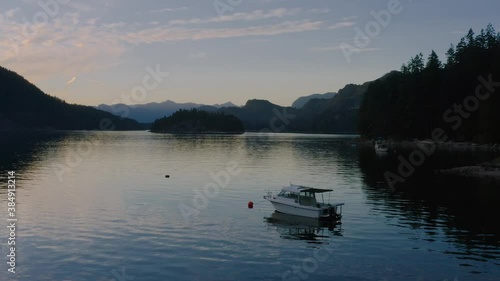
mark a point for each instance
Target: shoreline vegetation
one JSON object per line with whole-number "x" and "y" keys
{"x": 196, "y": 121}
{"x": 450, "y": 106}
{"x": 449, "y": 145}
{"x": 489, "y": 170}
{"x": 485, "y": 170}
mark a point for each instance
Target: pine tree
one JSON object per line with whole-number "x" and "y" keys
{"x": 450, "y": 55}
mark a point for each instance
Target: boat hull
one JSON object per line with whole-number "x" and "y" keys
{"x": 297, "y": 210}
{"x": 381, "y": 148}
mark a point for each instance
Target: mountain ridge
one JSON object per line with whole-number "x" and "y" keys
{"x": 301, "y": 101}
{"x": 25, "y": 107}
{"x": 148, "y": 112}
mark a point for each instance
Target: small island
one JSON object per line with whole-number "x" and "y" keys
{"x": 196, "y": 121}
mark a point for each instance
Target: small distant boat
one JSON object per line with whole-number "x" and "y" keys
{"x": 301, "y": 201}
{"x": 381, "y": 147}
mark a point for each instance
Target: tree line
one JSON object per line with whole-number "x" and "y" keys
{"x": 198, "y": 121}
{"x": 457, "y": 96}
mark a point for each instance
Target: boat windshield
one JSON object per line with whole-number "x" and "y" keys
{"x": 288, "y": 194}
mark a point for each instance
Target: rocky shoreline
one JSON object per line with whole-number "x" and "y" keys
{"x": 450, "y": 145}
{"x": 487, "y": 170}
{"x": 484, "y": 170}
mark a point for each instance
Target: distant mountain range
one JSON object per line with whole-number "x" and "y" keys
{"x": 23, "y": 106}
{"x": 326, "y": 113}
{"x": 147, "y": 113}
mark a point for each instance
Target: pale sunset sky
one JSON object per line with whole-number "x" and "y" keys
{"x": 92, "y": 52}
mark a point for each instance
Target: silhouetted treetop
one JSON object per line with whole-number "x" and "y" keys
{"x": 198, "y": 121}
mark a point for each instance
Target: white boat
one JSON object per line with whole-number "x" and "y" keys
{"x": 381, "y": 147}
{"x": 301, "y": 201}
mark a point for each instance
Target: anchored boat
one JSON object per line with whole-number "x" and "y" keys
{"x": 302, "y": 201}
{"x": 381, "y": 147}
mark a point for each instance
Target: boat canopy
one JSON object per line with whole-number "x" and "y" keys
{"x": 299, "y": 188}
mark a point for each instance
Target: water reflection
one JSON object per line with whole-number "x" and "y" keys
{"x": 21, "y": 149}
{"x": 119, "y": 200}
{"x": 26, "y": 153}
{"x": 302, "y": 228}
{"x": 462, "y": 212}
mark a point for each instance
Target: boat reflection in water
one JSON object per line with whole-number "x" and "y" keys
{"x": 303, "y": 228}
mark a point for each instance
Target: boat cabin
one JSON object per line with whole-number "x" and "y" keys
{"x": 303, "y": 195}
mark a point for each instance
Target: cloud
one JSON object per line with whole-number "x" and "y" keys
{"x": 71, "y": 80}
{"x": 252, "y": 16}
{"x": 168, "y": 10}
{"x": 11, "y": 13}
{"x": 342, "y": 24}
{"x": 340, "y": 48}
{"x": 325, "y": 49}
{"x": 319, "y": 11}
{"x": 271, "y": 1}
{"x": 256, "y": 40}
{"x": 197, "y": 56}
{"x": 165, "y": 34}
{"x": 63, "y": 44}
{"x": 349, "y": 18}
{"x": 73, "y": 40}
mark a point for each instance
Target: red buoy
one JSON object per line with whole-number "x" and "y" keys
{"x": 250, "y": 205}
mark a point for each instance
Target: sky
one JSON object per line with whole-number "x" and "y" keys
{"x": 214, "y": 51}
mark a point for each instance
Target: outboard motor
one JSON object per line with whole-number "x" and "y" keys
{"x": 333, "y": 214}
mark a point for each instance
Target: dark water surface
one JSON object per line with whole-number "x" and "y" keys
{"x": 97, "y": 206}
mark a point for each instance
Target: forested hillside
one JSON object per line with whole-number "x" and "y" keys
{"x": 459, "y": 95}
{"x": 24, "y": 106}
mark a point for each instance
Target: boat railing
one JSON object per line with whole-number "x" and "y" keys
{"x": 270, "y": 194}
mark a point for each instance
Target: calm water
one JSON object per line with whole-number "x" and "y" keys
{"x": 113, "y": 215}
